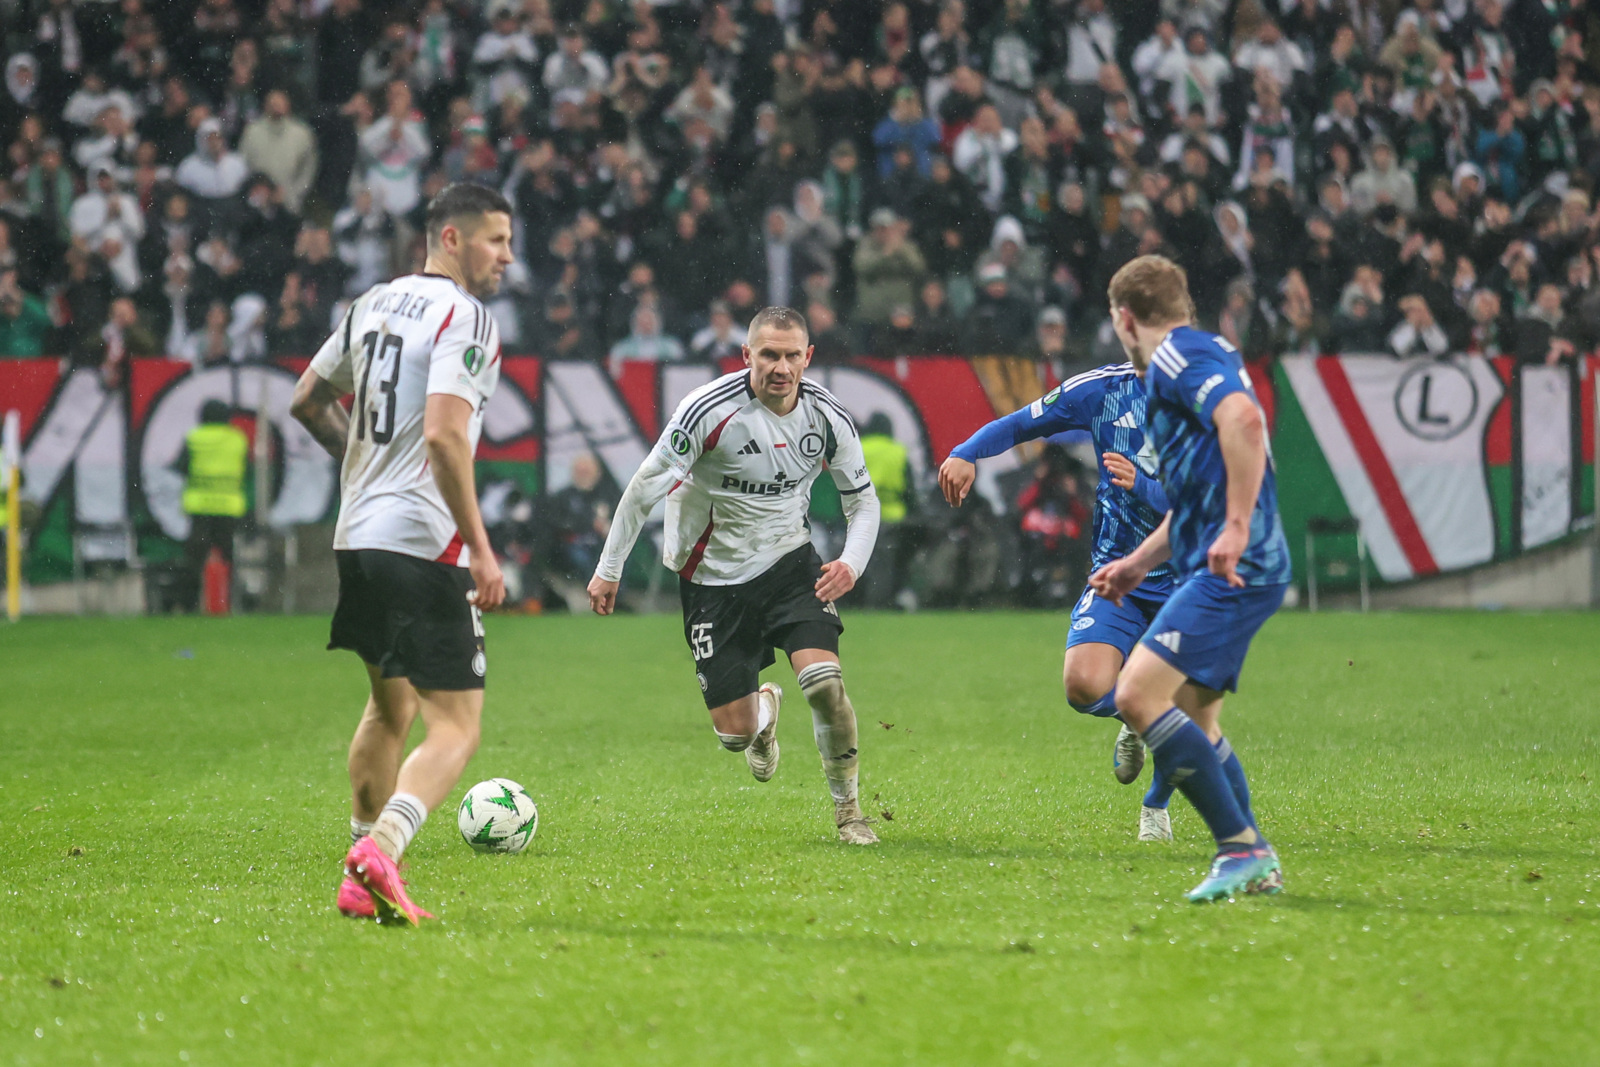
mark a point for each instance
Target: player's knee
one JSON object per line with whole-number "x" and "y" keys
{"x": 1084, "y": 696}
{"x": 823, "y": 686}
{"x": 1133, "y": 702}
{"x": 736, "y": 742}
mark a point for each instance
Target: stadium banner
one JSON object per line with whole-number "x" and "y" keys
{"x": 1446, "y": 464}
{"x": 100, "y": 465}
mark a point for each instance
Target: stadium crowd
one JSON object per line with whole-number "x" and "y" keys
{"x": 213, "y": 178}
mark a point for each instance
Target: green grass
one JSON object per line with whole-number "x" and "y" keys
{"x": 173, "y": 805}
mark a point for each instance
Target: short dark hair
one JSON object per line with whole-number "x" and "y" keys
{"x": 459, "y": 200}
{"x": 779, "y": 318}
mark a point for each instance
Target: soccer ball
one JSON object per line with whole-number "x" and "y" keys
{"x": 497, "y": 816}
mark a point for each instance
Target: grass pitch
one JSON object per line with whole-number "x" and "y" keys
{"x": 173, "y": 807}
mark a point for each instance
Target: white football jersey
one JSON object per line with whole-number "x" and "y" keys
{"x": 745, "y": 477}
{"x": 399, "y": 343}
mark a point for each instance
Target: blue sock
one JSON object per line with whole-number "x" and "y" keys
{"x": 1184, "y": 757}
{"x": 1235, "y": 772}
{"x": 1160, "y": 792}
{"x": 1105, "y": 707}
{"x": 1159, "y": 795}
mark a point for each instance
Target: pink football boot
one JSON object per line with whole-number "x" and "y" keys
{"x": 355, "y": 901}
{"x": 367, "y": 864}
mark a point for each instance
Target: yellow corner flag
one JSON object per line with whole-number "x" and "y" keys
{"x": 12, "y": 465}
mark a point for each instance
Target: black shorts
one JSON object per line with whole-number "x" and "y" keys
{"x": 733, "y": 629}
{"x": 410, "y": 618}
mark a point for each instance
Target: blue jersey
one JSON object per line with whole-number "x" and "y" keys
{"x": 1109, "y": 402}
{"x": 1190, "y": 372}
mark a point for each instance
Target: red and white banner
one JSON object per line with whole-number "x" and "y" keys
{"x": 1449, "y": 463}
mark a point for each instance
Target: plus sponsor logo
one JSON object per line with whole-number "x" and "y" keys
{"x": 782, "y": 484}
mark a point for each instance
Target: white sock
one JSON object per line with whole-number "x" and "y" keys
{"x": 358, "y": 829}
{"x": 833, "y": 722}
{"x": 402, "y": 817}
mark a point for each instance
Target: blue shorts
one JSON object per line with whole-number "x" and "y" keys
{"x": 1206, "y": 626}
{"x": 1099, "y": 621}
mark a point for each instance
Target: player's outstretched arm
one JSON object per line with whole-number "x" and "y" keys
{"x": 316, "y": 407}
{"x": 648, "y": 487}
{"x": 1055, "y": 413}
{"x": 1242, "y": 436}
{"x": 447, "y": 432}
{"x": 1122, "y": 576}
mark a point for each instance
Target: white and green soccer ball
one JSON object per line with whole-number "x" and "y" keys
{"x": 497, "y": 816}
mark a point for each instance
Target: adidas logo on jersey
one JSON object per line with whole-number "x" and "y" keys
{"x": 750, "y": 449}
{"x": 1127, "y": 422}
{"x": 1169, "y": 640}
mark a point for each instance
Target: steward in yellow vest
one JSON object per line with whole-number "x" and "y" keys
{"x": 218, "y": 455}
{"x": 889, "y": 465}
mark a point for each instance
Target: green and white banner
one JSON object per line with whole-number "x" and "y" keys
{"x": 1447, "y": 464}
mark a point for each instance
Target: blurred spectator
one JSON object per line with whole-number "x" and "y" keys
{"x": 1048, "y": 344}
{"x": 559, "y": 333}
{"x": 573, "y": 68}
{"x": 1419, "y": 333}
{"x": 24, "y": 319}
{"x": 832, "y": 342}
{"x": 980, "y": 154}
{"x": 364, "y": 234}
{"x": 108, "y": 222}
{"x": 212, "y": 172}
{"x": 937, "y": 329}
{"x": 1053, "y": 520}
{"x": 905, "y": 125}
{"x": 283, "y": 148}
{"x": 721, "y": 338}
{"x": 1382, "y": 182}
{"x": 1091, "y": 43}
{"x": 888, "y": 267}
{"x": 1001, "y": 320}
{"x": 646, "y": 341}
{"x": 393, "y": 151}
{"x": 115, "y": 146}
{"x": 579, "y": 518}
{"x": 291, "y": 328}
{"x": 122, "y": 337}
{"x": 211, "y": 344}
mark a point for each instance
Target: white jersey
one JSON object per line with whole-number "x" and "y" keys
{"x": 400, "y": 343}
{"x": 740, "y": 481}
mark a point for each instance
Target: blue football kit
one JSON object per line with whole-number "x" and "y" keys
{"x": 1108, "y": 402}
{"x": 1205, "y": 627}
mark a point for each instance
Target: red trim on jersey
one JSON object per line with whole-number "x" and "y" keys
{"x": 452, "y": 551}
{"x": 445, "y": 325}
{"x": 699, "y": 551}
{"x": 715, "y": 435}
